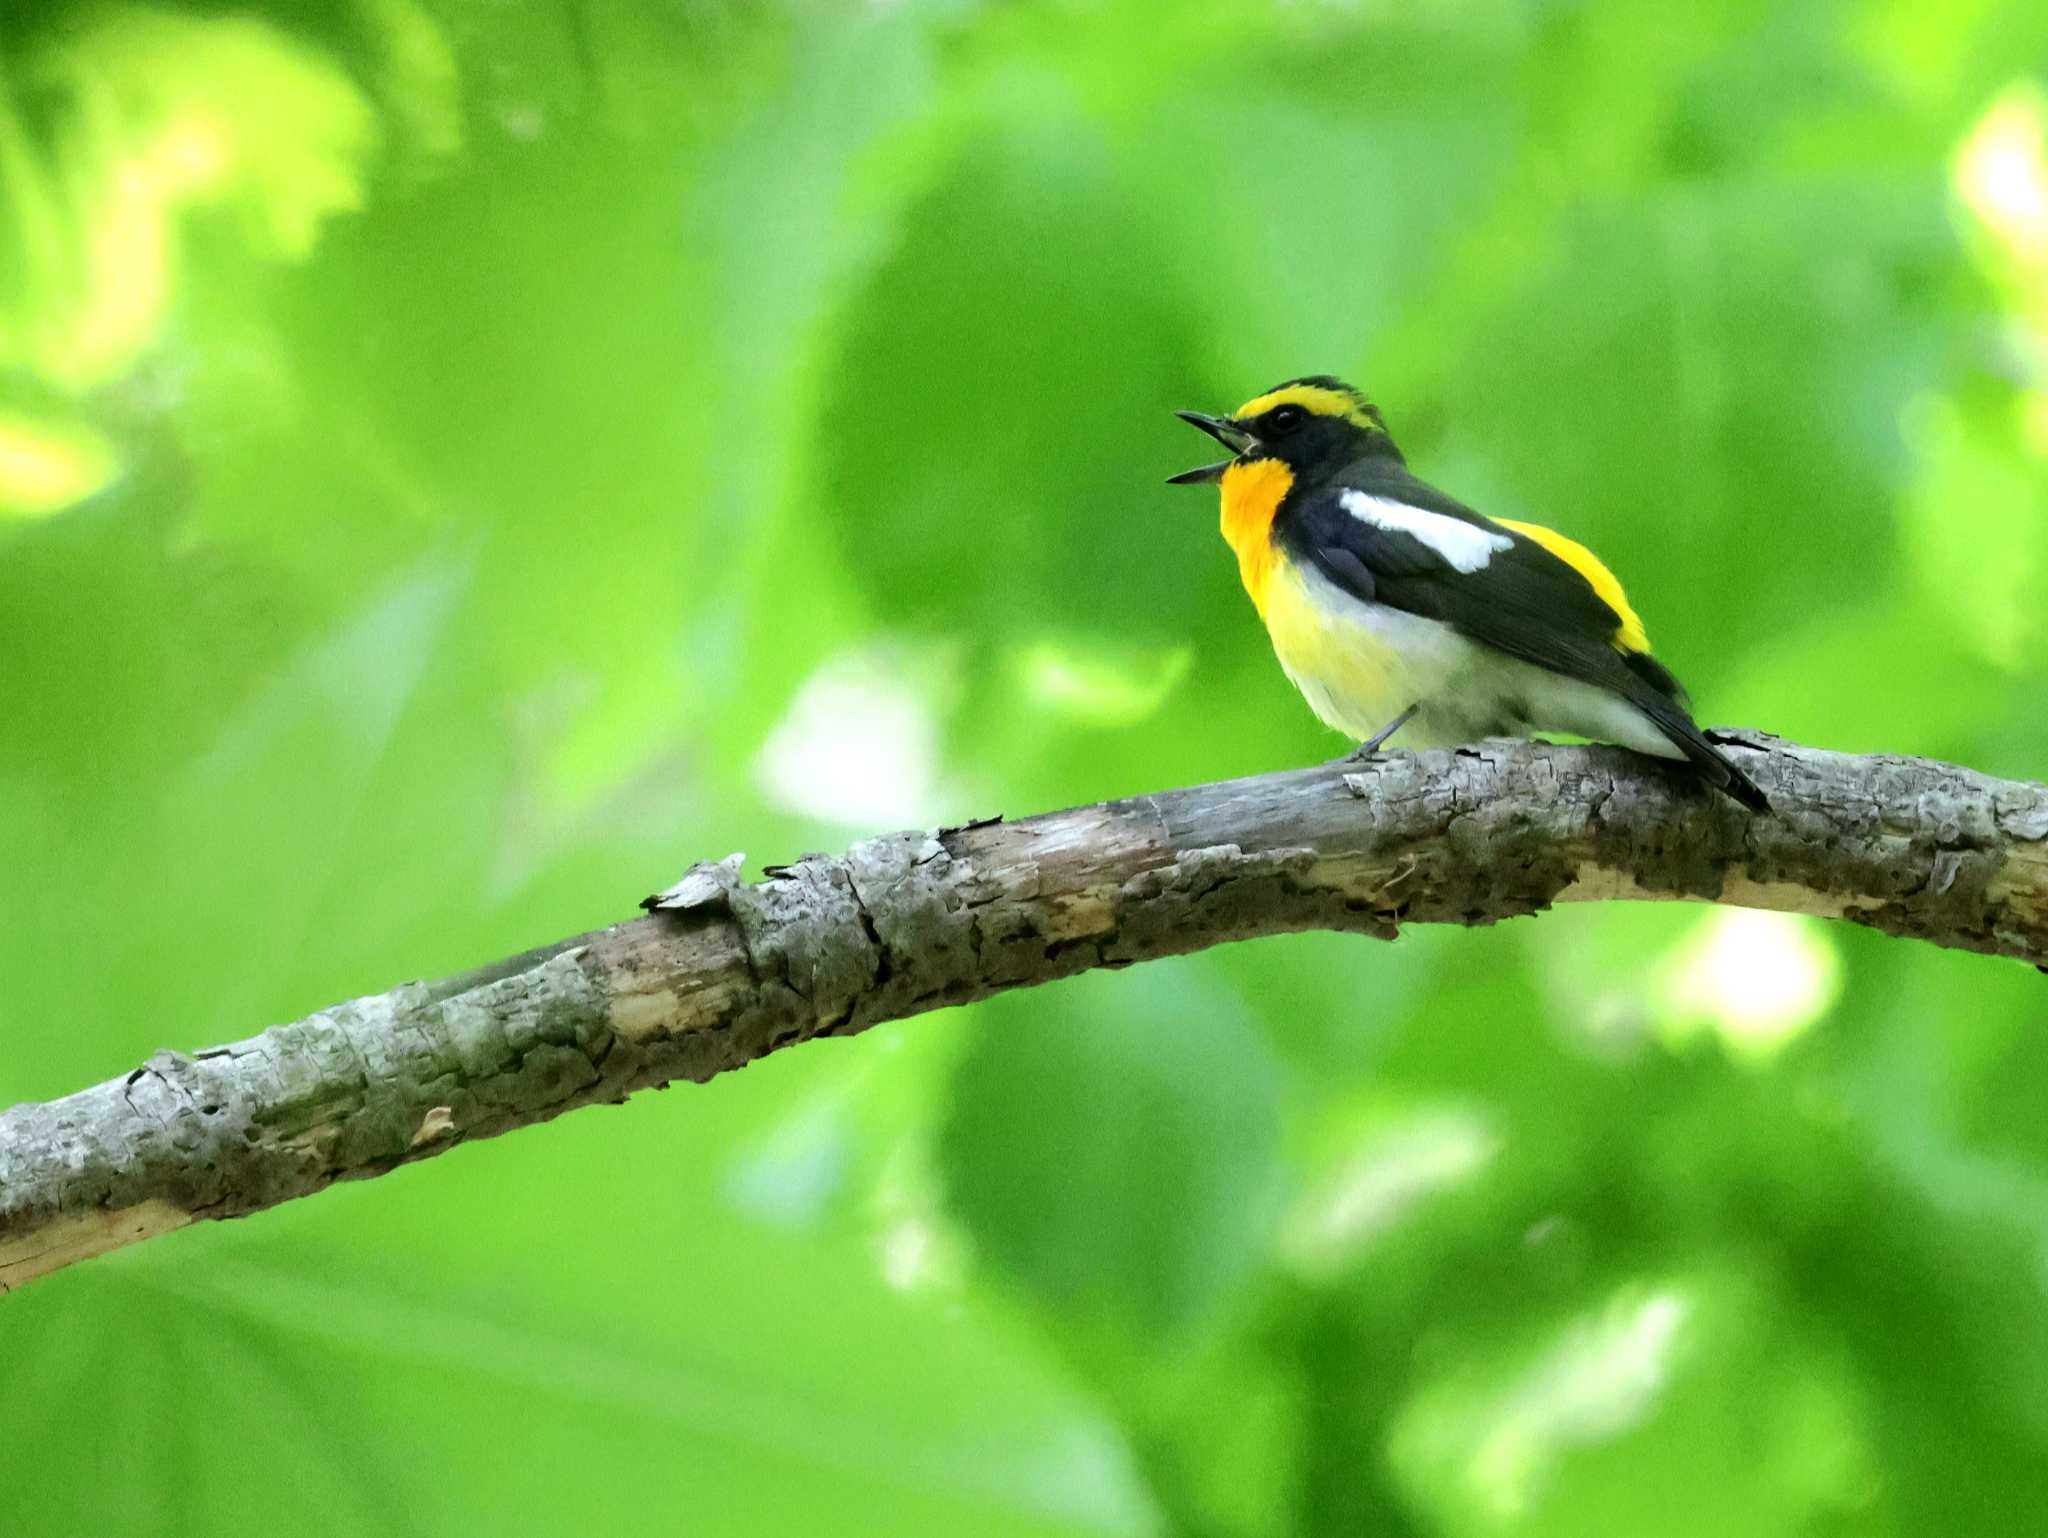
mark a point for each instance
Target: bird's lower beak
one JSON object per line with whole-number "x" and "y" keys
{"x": 1225, "y": 432}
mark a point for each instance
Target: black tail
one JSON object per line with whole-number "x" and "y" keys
{"x": 1664, "y": 702}
{"x": 1714, "y": 765}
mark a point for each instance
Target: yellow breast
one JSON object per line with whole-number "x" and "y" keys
{"x": 1357, "y": 665}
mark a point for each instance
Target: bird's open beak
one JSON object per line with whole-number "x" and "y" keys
{"x": 1225, "y": 432}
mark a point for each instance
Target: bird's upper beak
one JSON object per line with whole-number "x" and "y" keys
{"x": 1225, "y": 432}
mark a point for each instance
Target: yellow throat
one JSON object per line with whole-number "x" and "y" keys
{"x": 1252, "y": 494}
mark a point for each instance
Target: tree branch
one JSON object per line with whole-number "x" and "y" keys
{"x": 723, "y": 972}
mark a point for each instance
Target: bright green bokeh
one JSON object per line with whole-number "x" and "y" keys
{"x": 462, "y": 462}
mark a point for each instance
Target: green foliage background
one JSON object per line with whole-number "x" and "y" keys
{"x": 460, "y": 462}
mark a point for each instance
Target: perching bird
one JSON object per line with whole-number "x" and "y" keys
{"x": 1390, "y": 602}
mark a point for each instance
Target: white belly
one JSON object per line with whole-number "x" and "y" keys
{"x": 1359, "y": 665}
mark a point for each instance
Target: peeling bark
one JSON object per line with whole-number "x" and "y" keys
{"x": 722, "y": 972}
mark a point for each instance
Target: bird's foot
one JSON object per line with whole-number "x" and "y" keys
{"x": 1369, "y": 751}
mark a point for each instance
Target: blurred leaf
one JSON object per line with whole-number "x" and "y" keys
{"x": 1118, "y": 1164}
{"x": 147, "y": 143}
{"x": 1671, "y": 1407}
{"x": 330, "y": 1371}
{"x": 47, "y": 466}
{"x": 1099, "y": 685}
{"x": 1033, "y": 214}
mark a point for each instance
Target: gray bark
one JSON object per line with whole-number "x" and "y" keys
{"x": 722, "y": 972}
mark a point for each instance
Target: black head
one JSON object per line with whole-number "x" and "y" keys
{"x": 1312, "y": 422}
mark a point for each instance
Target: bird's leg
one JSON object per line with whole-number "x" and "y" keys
{"x": 1371, "y": 747}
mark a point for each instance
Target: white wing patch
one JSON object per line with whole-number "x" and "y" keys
{"x": 1467, "y": 546}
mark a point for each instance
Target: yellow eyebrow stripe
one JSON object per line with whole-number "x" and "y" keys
{"x": 1320, "y": 399}
{"x": 1630, "y": 635}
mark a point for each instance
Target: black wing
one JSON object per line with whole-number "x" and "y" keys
{"x": 1523, "y": 601}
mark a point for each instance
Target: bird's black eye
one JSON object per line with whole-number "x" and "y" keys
{"x": 1282, "y": 420}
